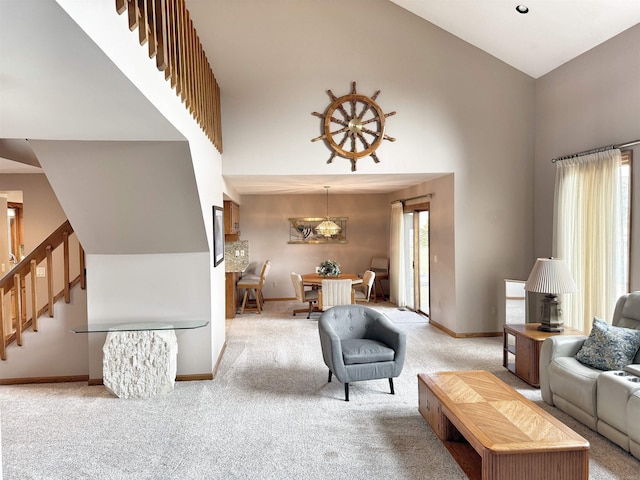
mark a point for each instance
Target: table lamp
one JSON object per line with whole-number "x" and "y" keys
{"x": 552, "y": 277}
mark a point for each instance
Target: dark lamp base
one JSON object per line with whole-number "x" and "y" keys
{"x": 550, "y": 314}
{"x": 545, "y": 328}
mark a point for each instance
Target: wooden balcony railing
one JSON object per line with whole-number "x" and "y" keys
{"x": 21, "y": 282}
{"x": 167, "y": 28}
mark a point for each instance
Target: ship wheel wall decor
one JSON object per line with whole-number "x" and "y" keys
{"x": 353, "y": 126}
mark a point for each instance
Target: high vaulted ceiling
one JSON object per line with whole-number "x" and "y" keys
{"x": 34, "y": 33}
{"x": 550, "y": 34}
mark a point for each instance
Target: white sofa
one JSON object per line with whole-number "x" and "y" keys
{"x": 606, "y": 401}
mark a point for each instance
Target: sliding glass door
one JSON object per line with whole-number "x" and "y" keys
{"x": 416, "y": 224}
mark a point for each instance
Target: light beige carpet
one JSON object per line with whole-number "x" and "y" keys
{"x": 268, "y": 414}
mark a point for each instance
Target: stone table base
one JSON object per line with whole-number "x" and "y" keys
{"x": 140, "y": 364}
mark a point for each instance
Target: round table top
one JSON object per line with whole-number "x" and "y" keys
{"x": 316, "y": 278}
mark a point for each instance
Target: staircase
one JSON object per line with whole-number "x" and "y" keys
{"x": 22, "y": 293}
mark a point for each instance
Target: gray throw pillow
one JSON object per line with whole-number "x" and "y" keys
{"x": 609, "y": 347}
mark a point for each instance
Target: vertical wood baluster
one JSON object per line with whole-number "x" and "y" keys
{"x": 17, "y": 297}
{"x": 179, "y": 51}
{"x": 121, "y": 6}
{"x": 65, "y": 264}
{"x": 194, "y": 70}
{"x": 132, "y": 14}
{"x": 196, "y": 80}
{"x": 83, "y": 272}
{"x": 23, "y": 298}
{"x": 190, "y": 70}
{"x": 201, "y": 86}
{"x": 173, "y": 40}
{"x": 3, "y": 344}
{"x": 34, "y": 297}
{"x": 150, "y": 21}
{"x": 172, "y": 43}
{"x": 50, "y": 280}
{"x": 205, "y": 90}
{"x": 161, "y": 34}
{"x": 141, "y": 15}
{"x": 207, "y": 98}
{"x": 187, "y": 61}
{"x": 219, "y": 129}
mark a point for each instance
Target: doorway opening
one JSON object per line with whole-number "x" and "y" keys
{"x": 12, "y": 231}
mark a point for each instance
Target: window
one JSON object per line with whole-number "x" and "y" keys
{"x": 591, "y": 232}
{"x": 625, "y": 258}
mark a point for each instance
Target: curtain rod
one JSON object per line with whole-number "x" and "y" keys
{"x": 426, "y": 195}
{"x": 596, "y": 150}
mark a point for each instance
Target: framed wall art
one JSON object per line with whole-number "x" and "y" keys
{"x": 304, "y": 230}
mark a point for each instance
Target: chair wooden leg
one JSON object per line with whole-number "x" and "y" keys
{"x": 258, "y": 294}
{"x": 346, "y": 392}
{"x": 244, "y": 300}
{"x": 377, "y": 283}
{"x": 248, "y": 304}
{"x": 393, "y": 392}
{"x": 304, "y": 310}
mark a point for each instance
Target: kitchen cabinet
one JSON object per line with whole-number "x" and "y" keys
{"x": 231, "y": 218}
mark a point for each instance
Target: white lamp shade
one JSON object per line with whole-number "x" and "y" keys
{"x": 550, "y": 276}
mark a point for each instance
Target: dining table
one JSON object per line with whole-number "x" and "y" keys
{"x": 315, "y": 279}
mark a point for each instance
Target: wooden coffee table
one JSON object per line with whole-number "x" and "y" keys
{"x": 493, "y": 432}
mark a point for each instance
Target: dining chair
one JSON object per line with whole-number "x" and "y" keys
{"x": 363, "y": 290}
{"x": 380, "y": 266}
{"x": 252, "y": 283}
{"x": 302, "y": 295}
{"x": 336, "y": 292}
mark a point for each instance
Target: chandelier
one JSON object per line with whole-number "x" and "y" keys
{"x": 327, "y": 228}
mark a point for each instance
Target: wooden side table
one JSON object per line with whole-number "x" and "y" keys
{"x": 522, "y": 343}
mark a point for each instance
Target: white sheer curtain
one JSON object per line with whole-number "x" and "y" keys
{"x": 587, "y": 231}
{"x": 397, "y": 292}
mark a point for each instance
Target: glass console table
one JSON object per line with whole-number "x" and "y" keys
{"x": 139, "y": 326}
{"x": 140, "y": 358}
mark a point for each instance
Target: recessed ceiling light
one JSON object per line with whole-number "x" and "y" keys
{"x": 522, "y": 9}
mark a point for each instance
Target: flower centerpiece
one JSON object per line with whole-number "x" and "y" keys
{"x": 329, "y": 268}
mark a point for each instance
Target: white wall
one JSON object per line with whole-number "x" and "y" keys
{"x": 591, "y": 101}
{"x": 453, "y": 101}
{"x": 127, "y": 197}
{"x": 459, "y": 110}
{"x": 138, "y": 288}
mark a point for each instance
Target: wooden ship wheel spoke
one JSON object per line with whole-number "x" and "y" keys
{"x": 345, "y": 118}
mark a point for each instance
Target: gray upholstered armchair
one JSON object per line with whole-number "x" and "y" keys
{"x": 358, "y": 343}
